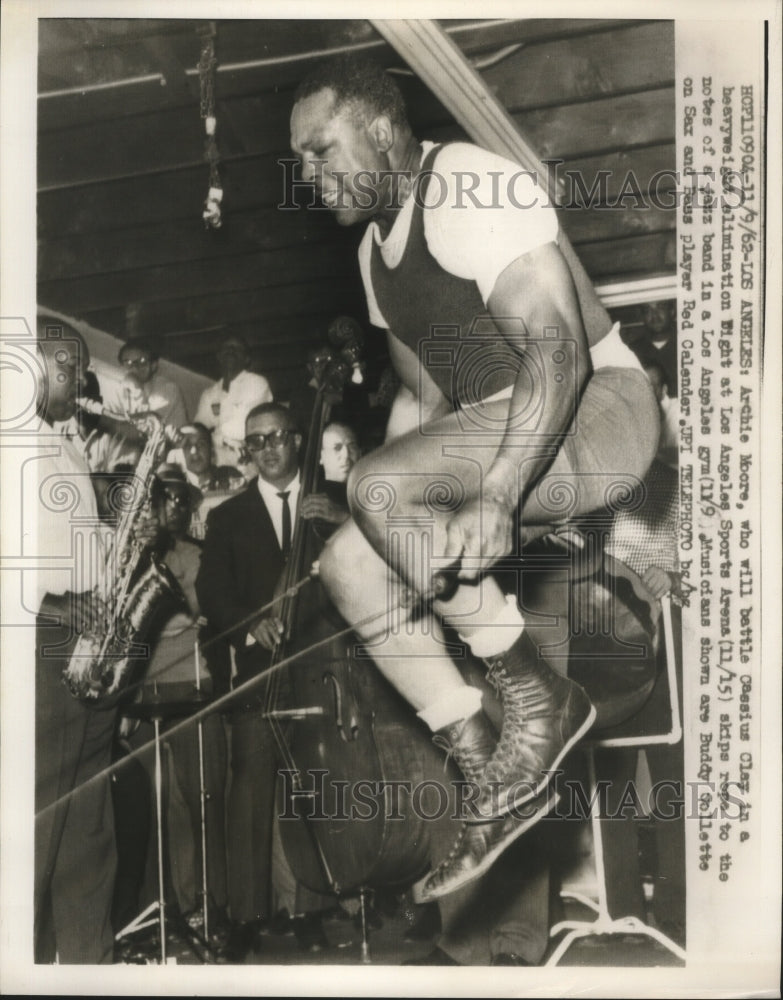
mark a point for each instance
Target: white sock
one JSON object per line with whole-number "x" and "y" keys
{"x": 499, "y": 635}
{"x": 453, "y": 705}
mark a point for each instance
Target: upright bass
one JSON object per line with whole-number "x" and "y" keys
{"x": 343, "y": 734}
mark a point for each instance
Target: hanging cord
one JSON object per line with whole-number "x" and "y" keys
{"x": 207, "y": 66}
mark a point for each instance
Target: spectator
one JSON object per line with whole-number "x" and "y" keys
{"x": 224, "y": 406}
{"x": 215, "y": 482}
{"x": 144, "y": 389}
{"x": 198, "y": 459}
{"x": 656, "y": 339}
{"x": 339, "y": 453}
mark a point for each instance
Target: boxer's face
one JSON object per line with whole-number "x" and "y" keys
{"x": 340, "y": 154}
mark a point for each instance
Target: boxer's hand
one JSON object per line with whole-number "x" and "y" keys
{"x": 478, "y": 535}
{"x": 657, "y": 581}
{"x": 318, "y": 505}
{"x": 268, "y": 632}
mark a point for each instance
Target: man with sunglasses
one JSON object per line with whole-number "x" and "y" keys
{"x": 144, "y": 389}
{"x": 245, "y": 550}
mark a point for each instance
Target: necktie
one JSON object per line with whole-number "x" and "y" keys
{"x": 286, "y": 546}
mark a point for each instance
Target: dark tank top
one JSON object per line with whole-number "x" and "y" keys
{"x": 441, "y": 317}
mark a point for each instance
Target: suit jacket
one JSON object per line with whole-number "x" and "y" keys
{"x": 241, "y": 564}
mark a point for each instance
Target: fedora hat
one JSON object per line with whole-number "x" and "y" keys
{"x": 170, "y": 474}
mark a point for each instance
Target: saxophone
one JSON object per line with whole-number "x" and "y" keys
{"x": 125, "y": 601}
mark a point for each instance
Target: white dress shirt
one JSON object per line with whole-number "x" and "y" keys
{"x": 224, "y": 412}
{"x": 275, "y": 505}
{"x": 70, "y": 541}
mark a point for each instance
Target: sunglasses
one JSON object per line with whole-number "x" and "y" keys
{"x": 135, "y": 362}
{"x": 257, "y": 442}
{"x": 180, "y": 499}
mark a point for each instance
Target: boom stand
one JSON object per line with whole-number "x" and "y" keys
{"x": 145, "y": 918}
{"x": 204, "y": 796}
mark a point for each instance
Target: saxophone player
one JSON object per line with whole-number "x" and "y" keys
{"x": 74, "y": 832}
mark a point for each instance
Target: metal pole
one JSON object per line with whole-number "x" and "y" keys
{"x": 159, "y": 816}
{"x": 204, "y": 797}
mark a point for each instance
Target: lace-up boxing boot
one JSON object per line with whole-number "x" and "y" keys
{"x": 544, "y": 716}
{"x": 471, "y": 742}
{"x": 478, "y": 846}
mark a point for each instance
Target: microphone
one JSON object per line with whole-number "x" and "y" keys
{"x": 444, "y": 582}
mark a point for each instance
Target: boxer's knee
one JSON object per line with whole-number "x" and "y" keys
{"x": 333, "y": 562}
{"x": 646, "y": 429}
{"x": 372, "y": 493}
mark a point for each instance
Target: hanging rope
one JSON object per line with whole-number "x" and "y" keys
{"x": 206, "y": 74}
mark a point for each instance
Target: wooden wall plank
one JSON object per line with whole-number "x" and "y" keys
{"x": 248, "y": 182}
{"x": 264, "y": 229}
{"x": 576, "y": 130}
{"x": 642, "y": 57}
{"x": 265, "y": 269}
{"x": 172, "y": 242}
{"x": 158, "y": 318}
{"x": 590, "y": 225}
{"x": 173, "y": 138}
{"x": 533, "y": 65}
{"x": 648, "y": 166}
{"x": 655, "y": 253}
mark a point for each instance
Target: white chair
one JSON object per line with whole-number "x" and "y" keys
{"x": 604, "y": 923}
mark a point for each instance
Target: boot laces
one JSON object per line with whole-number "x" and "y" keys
{"x": 464, "y": 756}
{"x": 511, "y": 691}
{"x": 443, "y": 743}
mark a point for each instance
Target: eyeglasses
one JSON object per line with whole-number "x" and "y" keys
{"x": 180, "y": 499}
{"x": 135, "y": 362}
{"x": 257, "y": 442}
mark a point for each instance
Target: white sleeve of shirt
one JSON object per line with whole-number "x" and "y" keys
{"x": 254, "y": 391}
{"x": 483, "y": 212}
{"x": 259, "y": 390}
{"x": 365, "y": 251}
{"x": 204, "y": 414}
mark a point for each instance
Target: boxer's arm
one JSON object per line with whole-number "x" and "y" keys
{"x": 536, "y": 294}
{"x": 533, "y": 295}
